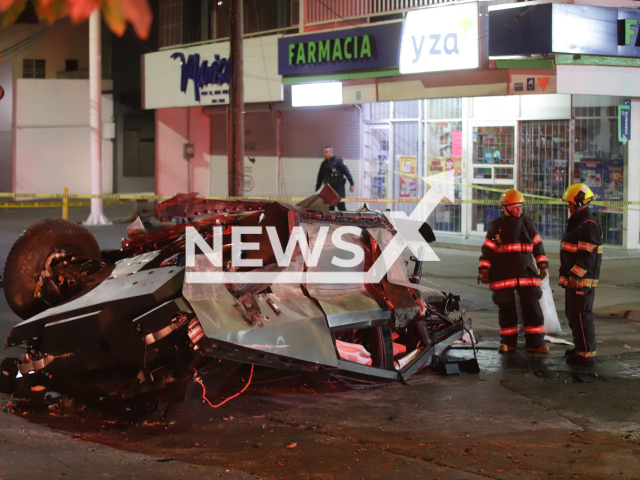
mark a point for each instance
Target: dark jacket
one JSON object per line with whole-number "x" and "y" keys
{"x": 333, "y": 172}
{"x": 507, "y": 253}
{"x": 581, "y": 250}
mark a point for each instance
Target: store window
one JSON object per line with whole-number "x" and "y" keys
{"x": 444, "y": 108}
{"x": 599, "y": 159}
{"x": 406, "y": 151}
{"x": 408, "y": 109}
{"x": 376, "y": 149}
{"x": 544, "y": 171}
{"x": 378, "y": 111}
{"x": 493, "y": 164}
{"x": 444, "y": 153}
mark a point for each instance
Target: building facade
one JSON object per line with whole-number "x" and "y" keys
{"x": 44, "y": 109}
{"x": 396, "y": 89}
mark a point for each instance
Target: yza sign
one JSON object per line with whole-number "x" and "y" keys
{"x": 440, "y": 39}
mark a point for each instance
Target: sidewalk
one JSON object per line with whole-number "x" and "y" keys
{"x": 552, "y": 247}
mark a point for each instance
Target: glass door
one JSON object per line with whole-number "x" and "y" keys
{"x": 544, "y": 160}
{"x": 493, "y": 166}
{"x": 379, "y": 161}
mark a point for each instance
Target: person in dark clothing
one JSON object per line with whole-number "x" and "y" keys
{"x": 332, "y": 171}
{"x": 506, "y": 264}
{"x": 580, "y": 260}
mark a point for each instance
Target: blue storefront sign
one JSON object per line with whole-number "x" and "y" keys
{"x": 363, "y": 48}
{"x": 204, "y": 75}
{"x": 564, "y": 28}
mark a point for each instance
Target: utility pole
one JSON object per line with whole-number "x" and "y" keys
{"x": 95, "y": 118}
{"x": 236, "y": 100}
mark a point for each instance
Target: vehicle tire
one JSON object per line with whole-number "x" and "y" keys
{"x": 28, "y": 255}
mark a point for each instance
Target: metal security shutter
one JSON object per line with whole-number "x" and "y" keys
{"x": 259, "y": 132}
{"x": 219, "y": 133}
{"x": 306, "y": 132}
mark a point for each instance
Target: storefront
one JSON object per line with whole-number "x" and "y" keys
{"x": 188, "y": 87}
{"x": 498, "y": 111}
{"x": 458, "y": 87}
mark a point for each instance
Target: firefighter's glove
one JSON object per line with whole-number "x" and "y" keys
{"x": 573, "y": 283}
{"x": 543, "y": 273}
{"x": 483, "y": 277}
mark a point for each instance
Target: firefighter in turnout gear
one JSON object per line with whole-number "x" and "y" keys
{"x": 580, "y": 260}
{"x": 506, "y": 264}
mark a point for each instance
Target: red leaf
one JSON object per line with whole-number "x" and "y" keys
{"x": 80, "y": 10}
{"x": 5, "y": 4}
{"x": 293, "y": 445}
{"x": 139, "y": 15}
{"x": 113, "y": 16}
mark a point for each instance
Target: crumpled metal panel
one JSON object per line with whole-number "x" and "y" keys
{"x": 127, "y": 266}
{"x": 397, "y": 274}
{"x": 299, "y": 332}
{"x": 127, "y": 297}
{"x": 346, "y": 306}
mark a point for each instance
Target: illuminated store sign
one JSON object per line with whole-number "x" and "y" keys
{"x": 440, "y": 39}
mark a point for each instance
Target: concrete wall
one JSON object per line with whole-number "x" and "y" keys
{"x": 53, "y": 43}
{"x": 52, "y": 137}
{"x": 174, "y": 128}
{"x": 126, "y": 184}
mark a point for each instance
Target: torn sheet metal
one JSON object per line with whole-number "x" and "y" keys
{"x": 397, "y": 274}
{"x": 346, "y": 306}
{"x": 127, "y": 297}
{"x": 299, "y": 331}
{"x": 127, "y": 266}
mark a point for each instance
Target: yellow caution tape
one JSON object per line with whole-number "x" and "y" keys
{"x": 543, "y": 200}
{"x": 51, "y": 204}
{"x": 124, "y": 198}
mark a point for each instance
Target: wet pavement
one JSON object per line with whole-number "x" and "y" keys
{"x": 523, "y": 416}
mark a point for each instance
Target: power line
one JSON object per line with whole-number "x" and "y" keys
{"x": 26, "y": 41}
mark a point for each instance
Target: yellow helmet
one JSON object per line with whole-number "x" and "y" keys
{"x": 579, "y": 194}
{"x": 511, "y": 197}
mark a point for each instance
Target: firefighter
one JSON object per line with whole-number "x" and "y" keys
{"x": 580, "y": 260}
{"x": 506, "y": 264}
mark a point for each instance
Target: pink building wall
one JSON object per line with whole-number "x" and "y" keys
{"x": 174, "y": 128}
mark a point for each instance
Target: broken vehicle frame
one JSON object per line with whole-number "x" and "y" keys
{"x": 127, "y": 330}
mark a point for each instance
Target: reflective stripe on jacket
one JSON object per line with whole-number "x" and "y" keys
{"x": 581, "y": 251}
{"x": 508, "y": 253}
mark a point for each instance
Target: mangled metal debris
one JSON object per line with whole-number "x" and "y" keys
{"x": 123, "y": 329}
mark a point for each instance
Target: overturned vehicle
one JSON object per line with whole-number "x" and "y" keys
{"x": 126, "y": 328}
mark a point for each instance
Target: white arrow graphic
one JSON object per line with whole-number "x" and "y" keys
{"x": 407, "y": 228}
{"x": 407, "y": 235}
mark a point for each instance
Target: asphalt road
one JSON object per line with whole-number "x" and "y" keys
{"x": 523, "y": 416}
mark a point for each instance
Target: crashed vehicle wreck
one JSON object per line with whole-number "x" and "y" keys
{"x": 123, "y": 329}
